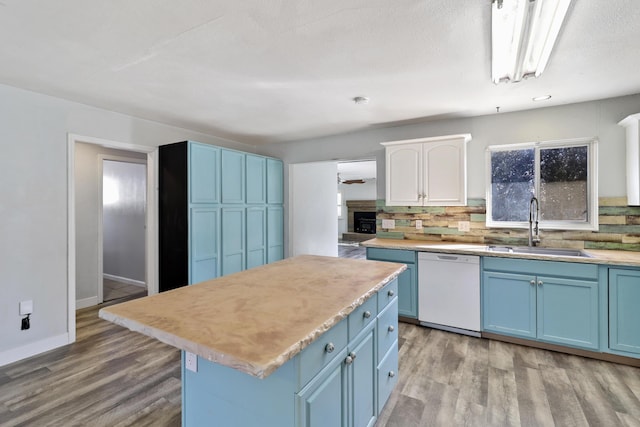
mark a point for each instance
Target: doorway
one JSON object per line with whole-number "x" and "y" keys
{"x": 84, "y": 269}
{"x": 122, "y": 242}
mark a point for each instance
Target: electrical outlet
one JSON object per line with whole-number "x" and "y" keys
{"x": 464, "y": 225}
{"x": 389, "y": 223}
{"x": 191, "y": 361}
{"x": 418, "y": 224}
{"x": 26, "y": 307}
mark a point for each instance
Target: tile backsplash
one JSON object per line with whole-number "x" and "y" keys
{"x": 619, "y": 226}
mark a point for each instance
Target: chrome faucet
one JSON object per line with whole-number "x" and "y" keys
{"x": 534, "y": 231}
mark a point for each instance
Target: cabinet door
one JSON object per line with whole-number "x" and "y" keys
{"x": 256, "y": 179}
{"x": 256, "y": 236}
{"x": 567, "y": 311}
{"x": 204, "y": 173}
{"x": 445, "y": 181}
{"x": 233, "y": 240}
{"x": 404, "y": 175}
{"x": 408, "y": 292}
{"x": 275, "y": 182}
{"x": 362, "y": 374}
{"x": 322, "y": 402}
{"x": 509, "y": 304}
{"x": 275, "y": 233}
{"x": 624, "y": 312}
{"x": 203, "y": 237}
{"x": 233, "y": 177}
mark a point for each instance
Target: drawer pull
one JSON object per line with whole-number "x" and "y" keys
{"x": 348, "y": 360}
{"x": 329, "y": 347}
{"x": 367, "y": 314}
{"x": 392, "y": 374}
{"x": 391, "y": 293}
{"x": 391, "y": 328}
{"x": 352, "y": 355}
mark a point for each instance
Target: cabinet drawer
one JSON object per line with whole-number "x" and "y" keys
{"x": 387, "y": 294}
{"x": 387, "y": 328}
{"x": 387, "y": 375}
{"x": 362, "y": 316}
{"x": 322, "y": 351}
{"x": 392, "y": 255}
{"x": 548, "y": 268}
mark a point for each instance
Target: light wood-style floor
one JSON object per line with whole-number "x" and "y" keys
{"x": 113, "y": 377}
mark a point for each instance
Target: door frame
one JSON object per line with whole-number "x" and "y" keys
{"x": 101, "y": 159}
{"x": 151, "y": 268}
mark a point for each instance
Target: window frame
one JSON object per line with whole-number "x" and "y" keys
{"x": 591, "y": 224}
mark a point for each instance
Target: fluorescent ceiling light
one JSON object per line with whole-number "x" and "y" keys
{"x": 523, "y": 32}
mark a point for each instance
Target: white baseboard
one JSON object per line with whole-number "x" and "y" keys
{"x": 86, "y": 302}
{"x": 32, "y": 349}
{"x": 125, "y": 280}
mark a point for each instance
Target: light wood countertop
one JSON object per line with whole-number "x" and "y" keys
{"x": 621, "y": 258}
{"x": 257, "y": 320}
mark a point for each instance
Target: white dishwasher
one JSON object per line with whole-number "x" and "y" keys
{"x": 449, "y": 292}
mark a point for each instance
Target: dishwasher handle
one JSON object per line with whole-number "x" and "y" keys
{"x": 448, "y": 257}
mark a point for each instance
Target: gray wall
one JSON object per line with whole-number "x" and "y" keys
{"x": 123, "y": 221}
{"x": 33, "y": 205}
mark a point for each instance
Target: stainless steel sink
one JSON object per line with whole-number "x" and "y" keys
{"x": 533, "y": 250}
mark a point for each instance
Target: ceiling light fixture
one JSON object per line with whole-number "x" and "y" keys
{"x": 523, "y": 33}
{"x": 361, "y": 100}
{"x": 542, "y": 98}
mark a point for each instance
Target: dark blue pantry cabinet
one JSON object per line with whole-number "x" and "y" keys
{"x": 220, "y": 212}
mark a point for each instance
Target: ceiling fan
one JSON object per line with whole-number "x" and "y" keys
{"x": 350, "y": 181}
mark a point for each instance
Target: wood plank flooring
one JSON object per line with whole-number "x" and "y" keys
{"x": 113, "y": 377}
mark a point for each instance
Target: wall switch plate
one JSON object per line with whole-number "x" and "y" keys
{"x": 418, "y": 224}
{"x": 389, "y": 223}
{"x": 26, "y": 307}
{"x": 191, "y": 361}
{"x": 464, "y": 225}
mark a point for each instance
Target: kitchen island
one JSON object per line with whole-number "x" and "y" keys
{"x": 306, "y": 341}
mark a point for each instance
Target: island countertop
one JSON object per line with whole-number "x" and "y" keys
{"x": 256, "y": 320}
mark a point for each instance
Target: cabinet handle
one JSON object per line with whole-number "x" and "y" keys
{"x": 392, "y": 374}
{"x": 352, "y": 355}
{"x": 348, "y": 360}
{"x": 367, "y": 314}
{"x": 533, "y": 282}
{"x": 391, "y": 328}
{"x": 329, "y": 347}
{"x": 391, "y": 293}
{"x": 540, "y": 283}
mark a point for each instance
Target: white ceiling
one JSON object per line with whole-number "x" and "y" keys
{"x": 260, "y": 71}
{"x": 364, "y": 169}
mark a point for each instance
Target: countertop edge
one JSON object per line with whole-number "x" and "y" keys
{"x": 598, "y": 256}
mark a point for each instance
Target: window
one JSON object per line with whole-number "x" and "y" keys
{"x": 562, "y": 175}
{"x": 339, "y": 204}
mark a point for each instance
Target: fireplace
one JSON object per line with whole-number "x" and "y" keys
{"x": 364, "y": 222}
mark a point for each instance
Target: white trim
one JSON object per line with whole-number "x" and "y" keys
{"x": 86, "y": 302}
{"x": 37, "y": 347}
{"x": 99, "y": 180}
{"x": 125, "y": 280}
{"x": 152, "y": 220}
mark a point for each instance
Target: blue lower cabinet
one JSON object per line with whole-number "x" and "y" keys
{"x": 525, "y": 300}
{"x": 407, "y": 281}
{"x": 321, "y": 402}
{"x": 624, "y": 312}
{"x": 509, "y": 304}
{"x": 331, "y": 383}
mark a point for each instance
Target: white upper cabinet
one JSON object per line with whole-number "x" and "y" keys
{"x": 427, "y": 171}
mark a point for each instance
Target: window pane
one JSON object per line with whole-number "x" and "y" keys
{"x": 512, "y": 184}
{"x": 563, "y": 184}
